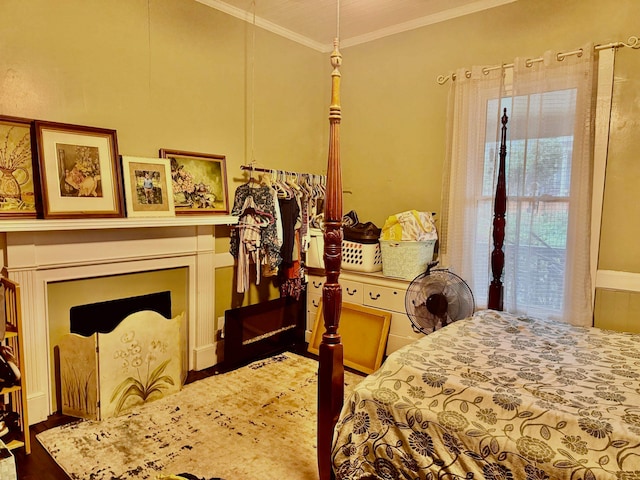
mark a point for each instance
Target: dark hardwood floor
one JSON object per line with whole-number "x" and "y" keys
{"x": 39, "y": 465}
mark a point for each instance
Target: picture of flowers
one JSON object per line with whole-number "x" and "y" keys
{"x": 17, "y": 194}
{"x": 78, "y": 171}
{"x": 81, "y": 167}
{"x": 199, "y": 182}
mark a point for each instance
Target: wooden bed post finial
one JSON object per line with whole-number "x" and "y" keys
{"x": 496, "y": 289}
{"x": 330, "y": 351}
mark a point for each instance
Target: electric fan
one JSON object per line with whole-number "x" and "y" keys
{"x": 436, "y": 298}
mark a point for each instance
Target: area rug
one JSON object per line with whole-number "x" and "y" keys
{"x": 254, "y": 423}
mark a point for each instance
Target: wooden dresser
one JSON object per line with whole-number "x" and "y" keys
{"x": 368, "y": 289}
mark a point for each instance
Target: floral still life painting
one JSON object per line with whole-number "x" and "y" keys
{"x": 81, "y": 167}
{"x": 199, "y": 182}
{"x": 17, "y": 195}
{"x": 78, "y": 171}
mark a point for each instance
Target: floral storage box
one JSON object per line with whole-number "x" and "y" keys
{"x": 7, "y": 463}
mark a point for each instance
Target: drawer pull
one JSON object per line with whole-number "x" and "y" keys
{"x": 351, "y": 292}
{"x": 374, "y": 298}
{"x": 316, "y": 285}
{"x": 315, "y": 304}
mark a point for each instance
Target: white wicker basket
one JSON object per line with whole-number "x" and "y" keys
{"x": 361, "y": 257}
{"x": 405, "y": 259}
{"x": 358, "y": 257}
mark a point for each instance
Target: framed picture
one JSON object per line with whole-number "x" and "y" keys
{"x": 147, "y": 187}
{"x": 79, "y": 171}
{"x": 199, "y": 182}
{"x": 18, "y": 189}
{"x": 364, "y": 332}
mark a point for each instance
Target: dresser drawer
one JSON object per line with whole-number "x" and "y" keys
{"x": 384, "y": 297}
{"x": 314, "y": 286}
{"x": 352, "y": 292}
{"x": 313, "y": 301}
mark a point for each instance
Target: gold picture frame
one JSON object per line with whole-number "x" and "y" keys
{"x": 364, "y": 333}
{"x": 147, "y": 187}
{"x": 79, "y": 171}
{"x": 18, "y": 185}
{"x": 199, "y": 182}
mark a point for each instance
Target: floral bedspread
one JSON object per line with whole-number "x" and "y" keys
{"x": 498, "y": 397}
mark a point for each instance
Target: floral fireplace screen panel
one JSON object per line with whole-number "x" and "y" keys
{"x": 138, "y": 362}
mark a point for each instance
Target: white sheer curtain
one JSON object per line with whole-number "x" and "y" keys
{"x": 550, "y": 104}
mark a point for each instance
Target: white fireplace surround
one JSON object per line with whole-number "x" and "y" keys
{"x": 37, "y": 252}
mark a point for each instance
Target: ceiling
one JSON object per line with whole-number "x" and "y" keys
{"x": 313, "y": 22}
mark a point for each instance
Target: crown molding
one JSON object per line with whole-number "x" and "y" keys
{"x": 439, "y": 17}
{"x": 265, "y": 24}
{"x": 443, "y": 16}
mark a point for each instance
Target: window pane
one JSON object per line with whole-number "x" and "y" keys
{"x": 538, "y": 165}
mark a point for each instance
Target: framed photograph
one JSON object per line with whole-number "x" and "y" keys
{"x": 147, "y": 187}
{"x": 199, "y": 182}
{"x": 18, "y": 191}
{"x": 79, "y": 171}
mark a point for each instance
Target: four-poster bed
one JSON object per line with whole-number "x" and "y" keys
{"x": 492, "y": 396}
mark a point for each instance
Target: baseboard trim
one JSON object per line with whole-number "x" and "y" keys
{"x": 205, "y": 357}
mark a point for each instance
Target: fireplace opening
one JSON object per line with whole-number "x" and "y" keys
{"x": 103, "y": 317}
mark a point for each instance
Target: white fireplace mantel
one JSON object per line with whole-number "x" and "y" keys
{"x": 37, "y": 225}
{"x": 37, "y": 252}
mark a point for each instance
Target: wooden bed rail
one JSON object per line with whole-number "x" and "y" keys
{"x": 496, "y": 289}
{"x": 331, "y": 369}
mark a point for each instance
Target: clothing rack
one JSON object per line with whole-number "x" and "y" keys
{"x": 253, "y": 168}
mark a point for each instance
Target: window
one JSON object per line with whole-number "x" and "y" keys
{"x": 549, "y": 174}
{"x": 538, "y": 169}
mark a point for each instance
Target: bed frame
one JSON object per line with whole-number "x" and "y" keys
{"x": 330, "y": 351}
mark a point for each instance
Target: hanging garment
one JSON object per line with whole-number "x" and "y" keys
{"x": 249, "y": 229}
{"x": 254, "y": 238}
{"x": 292, "y": 275}
{"x": 290, "y": 215}
{"x": 264, "y": 202}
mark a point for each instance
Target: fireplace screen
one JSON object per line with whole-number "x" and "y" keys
{"x": 111, "y": 371}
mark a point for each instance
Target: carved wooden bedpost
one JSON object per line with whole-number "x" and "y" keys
{"x": 496, "y": 290}
{"x": 331, "y": 369}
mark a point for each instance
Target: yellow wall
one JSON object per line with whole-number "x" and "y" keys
{"x": 394, "y": 111}
{"x": 168, "y": 74}
{"x": 394, "y": 115}
{"x": 178, "y": 74}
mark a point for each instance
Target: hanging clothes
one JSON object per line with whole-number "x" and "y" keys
{"x": 291, "y": 272}
{"x": 290, "y": 217}
{"x": 278, "y": 248}
{"x": 254, "y": 239}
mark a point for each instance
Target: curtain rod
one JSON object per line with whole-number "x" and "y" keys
{"x": 632, "y": 42}
{"x": 271, "y": 170}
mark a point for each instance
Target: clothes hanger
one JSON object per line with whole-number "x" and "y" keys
{"x": 292, "y": 182}
{"x": 284, "y": 190}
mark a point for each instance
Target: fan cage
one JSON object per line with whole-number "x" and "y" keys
{"x": 458, "y": 294}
